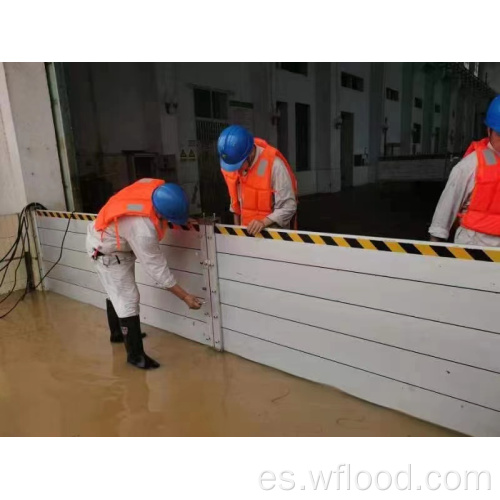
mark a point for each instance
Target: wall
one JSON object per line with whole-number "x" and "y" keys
{"x": 493, "y": 77}
{"x": 12, "y": 192}
{"x": 29, "y": 166}
{"x": 104, "y": 95}
{"x": 114, "y": 108}
{"x": 29, "y": 163}
{"x": 34, "y": 129}
{"x": 10, "y": 280}
{"x": 394, "y": 80}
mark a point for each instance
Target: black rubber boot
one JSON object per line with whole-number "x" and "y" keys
{"x": 116, "y": 335}
{"x": 131, "y": 330}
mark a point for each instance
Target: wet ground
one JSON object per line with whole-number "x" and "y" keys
{"x": 59, "y": 376}
{"x": 389, "y": 209}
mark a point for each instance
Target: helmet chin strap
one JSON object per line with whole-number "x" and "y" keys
{"x": 249, "y": 162}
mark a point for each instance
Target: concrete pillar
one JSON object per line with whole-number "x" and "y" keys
{"x": 428, "y": 111}
{"x": 335, "y": 127}
{"x": 61, "y": 113}
{"x": 262, "y": 82}
{"x": 406, "y": 108}
{"x": 29, "y": 166}
{"x": 323, "y": 128}
{"x": 376, "y": 113}
{"x": 168, "y": 102}
{"x": 459, "y": 121}
{"x": 445, "y": 114}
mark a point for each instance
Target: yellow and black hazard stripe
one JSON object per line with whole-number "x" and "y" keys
{"x": 91, "y": 217}
{"x": 66, "y": 215}
{"x": 426, "y": 249}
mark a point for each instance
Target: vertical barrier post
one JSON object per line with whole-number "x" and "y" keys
{"x": 211, "y": 276}
{"x": 35, "y": 234}
{"x": 204, "y": 263}
{"x": 214, "y": 286}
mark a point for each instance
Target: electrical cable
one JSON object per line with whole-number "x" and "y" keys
{"x": 60, "y": 253}
{"x": 23, "y": 237}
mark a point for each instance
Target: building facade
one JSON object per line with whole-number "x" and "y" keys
{"x": 340, "y": 125}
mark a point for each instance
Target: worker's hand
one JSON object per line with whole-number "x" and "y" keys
{"x": 192, "y": 301}
{"x": 255, "y": 227}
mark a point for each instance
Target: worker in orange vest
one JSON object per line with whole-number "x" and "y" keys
{"x": 472, "y": 192}
{"x": 131, "y": 225}
{"x": 261, "y": 183}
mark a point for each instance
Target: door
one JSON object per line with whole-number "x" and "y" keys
{"x": 347, "y": 150}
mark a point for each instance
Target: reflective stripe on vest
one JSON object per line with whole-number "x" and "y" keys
{"x": 475, "y": 145}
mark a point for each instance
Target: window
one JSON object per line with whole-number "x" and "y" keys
{"x": 302, "y": 136}
{"x": 283, "y": 128}
{"x": 391, "y": 94}
{"x": 202, "y": 106}
{"x": 219, "y": 105}
{"x": 476, "y": 69}
{"x": 437, "y": 108}
{"x": 467, "y": 65}
{"x": 294, "y": 67}
{"x": 210, "y": 104}
{"x": 417, "y": 129}
{"x": 358, "y": 160}
{"x": 352, "y": 82}
{"x": 418, "y": 102}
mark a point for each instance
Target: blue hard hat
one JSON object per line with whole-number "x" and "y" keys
{"x": 493, "y": 115}
{"x": 171, "y": 202}
{"x": 234, "y": 146}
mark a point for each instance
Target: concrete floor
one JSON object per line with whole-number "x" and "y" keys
{"x": 59, "y": 376}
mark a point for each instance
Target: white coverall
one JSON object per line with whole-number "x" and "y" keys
{"x": 116, "y": 269}
{"x": 284, "y": 202}
{"x": 454, "y": 200}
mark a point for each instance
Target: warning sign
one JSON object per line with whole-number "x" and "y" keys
{"x": 192, "y": 155}
{"x": 184, "y": 156}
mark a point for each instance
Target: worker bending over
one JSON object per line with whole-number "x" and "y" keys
{"x": 261, "y": 183}
{"x": 472, "y": 192}
{"x": 131, "y": 225}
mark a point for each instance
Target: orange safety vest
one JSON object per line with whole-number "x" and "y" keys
{"x": 256, "y": 185}
{"x": 135, "y": 199}
{"x": 483, "y": 213}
